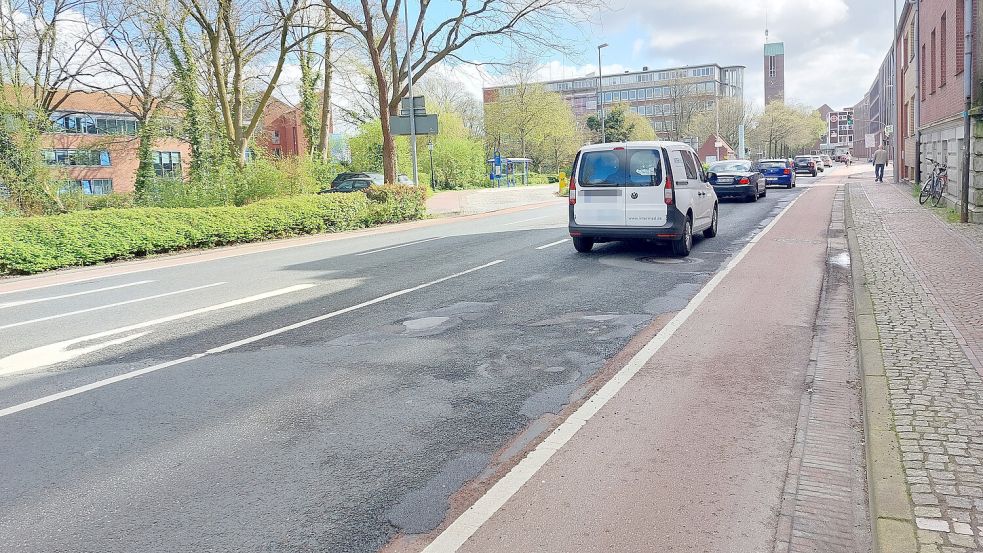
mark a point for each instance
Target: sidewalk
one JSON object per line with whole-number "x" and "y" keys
{"x": 484, "y": 200}
{"x": 740, "y": 432}
{"x": 925, "y": 279}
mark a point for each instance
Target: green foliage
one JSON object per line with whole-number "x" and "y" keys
{"x": 35, "y": 244}
{"x": 534, "y": 123}
{"x": 617, "y": 128}
{"x": 366, "y": 148}
{"x": 76, "y": 201}
{"x": 310, "y": 107}
{"x": 25, "y": 180}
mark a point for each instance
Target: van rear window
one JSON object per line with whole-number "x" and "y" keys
{"x": 605, "y": 168}
{"x": 621, "y": 168}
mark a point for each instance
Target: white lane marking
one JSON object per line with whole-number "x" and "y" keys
{"x": 399, "y": 246}
{"x": 551, "y": 244}
{"x": 133, "y": 374}
{"x": 44, "y": 356}
{"x": 72, "y": 295}
{"x": 459, "y": 531}
{"x": 110, "y": 305}
{"x": 527, "y": 220}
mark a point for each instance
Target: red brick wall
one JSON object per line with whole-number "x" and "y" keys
{"x": 947, "y": 100}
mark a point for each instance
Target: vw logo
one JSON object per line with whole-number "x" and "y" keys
{"x": 634, "y": 195}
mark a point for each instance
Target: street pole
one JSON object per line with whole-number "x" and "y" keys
{"x": 918, "y": 93}
{"x": 600, "y": 92}
{"x": 409, "y": 78}
{"x": 967, "y": 122}
{"x": 894, "y": 96}
{"x": 433, "y": 181}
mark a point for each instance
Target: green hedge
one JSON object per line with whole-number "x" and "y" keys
{"x": 34, "y": 244}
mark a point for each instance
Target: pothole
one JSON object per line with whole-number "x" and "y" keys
{"x": 425, "y": 323}
{"x": 669, "y": 260}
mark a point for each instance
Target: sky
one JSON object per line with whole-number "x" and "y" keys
{"x": 833, "y": 48}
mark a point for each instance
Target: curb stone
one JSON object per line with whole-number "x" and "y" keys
{"x": 892, "y": 519}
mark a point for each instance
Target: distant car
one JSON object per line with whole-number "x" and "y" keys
{"x": 778, "y": 171}
{"x": 819, "y": 163}
{"x": 806, "y": 164}
{"x": 827, "y": 161}
{"x": 378, "y": 179}
{"x": 737, "y": 179}
{"x": 356, "y": 184}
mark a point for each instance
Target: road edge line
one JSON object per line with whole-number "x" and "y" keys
{"x": 892, "y": 518}
{"x": 467, "y": 523}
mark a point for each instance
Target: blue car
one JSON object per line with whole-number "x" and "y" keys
{"x": 778, "y": 172}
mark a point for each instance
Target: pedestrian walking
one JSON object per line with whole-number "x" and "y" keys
{"x": 880, "y": 160}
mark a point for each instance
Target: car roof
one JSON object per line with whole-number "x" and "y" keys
{"x": 775, "y": 159}
{"x": 634, "y": 144}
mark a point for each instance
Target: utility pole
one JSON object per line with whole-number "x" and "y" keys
{"x": 600, "y": 93}
{"x": 918, "y": 93}
{"x": 895, "y": 90}
{"x": 967, "y": 120}
{"x": 409, "y": 78}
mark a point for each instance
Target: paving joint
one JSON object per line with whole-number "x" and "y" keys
{"x": 892, "y": 519}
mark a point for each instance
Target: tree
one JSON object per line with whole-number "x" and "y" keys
{"x": 784, "y": 129}
{"x": 434, "y": 41}
{"x": 529, "y": 121}
{"x": 617, "y": 127}
{"x": 733, "y": 112}
{"x": 246, "y": 46}
{"x": 685, "y": 100}
{"x": 46, "y": 46}
{"x": 641, "y": 127}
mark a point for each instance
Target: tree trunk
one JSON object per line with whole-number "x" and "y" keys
{"x": 323, "y": 148}
{"x": 388, "y": 142}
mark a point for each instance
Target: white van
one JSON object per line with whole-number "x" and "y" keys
{"x": 640, "y": 190}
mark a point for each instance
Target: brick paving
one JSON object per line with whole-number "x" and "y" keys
{"x": 924, "y": 278}
{"x": 824, "y": 503}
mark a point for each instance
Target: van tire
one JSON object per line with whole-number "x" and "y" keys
{"x": 711, "y": 231}
{"x": 682, "y": 247}
{"x": 583, "y": 245}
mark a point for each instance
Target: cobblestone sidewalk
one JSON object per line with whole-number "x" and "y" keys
{"x": 924, "y": 277}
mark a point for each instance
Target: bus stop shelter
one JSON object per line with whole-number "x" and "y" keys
{"x": 514, "y": 170}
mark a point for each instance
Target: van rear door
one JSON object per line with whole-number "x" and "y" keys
{"x": 601, "y": 188}
{"x": 645, "y": 202}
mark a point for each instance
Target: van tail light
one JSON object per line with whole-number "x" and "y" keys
{"x": 788, "y": 171}
{"x": 573, "y": 190}
{"x": 668, "y": 191}
{"x": 744, "y": 180}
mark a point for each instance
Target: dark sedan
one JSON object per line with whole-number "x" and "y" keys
{"x": 806, "y": 164}
{"x": 778, "y": 171}
{"x": 349, "y": 185}
{"x": 737, "y": 179}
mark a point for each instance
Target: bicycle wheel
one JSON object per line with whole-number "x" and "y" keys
{"x": 938, "y": 193}
{"x": 927, "y": 190}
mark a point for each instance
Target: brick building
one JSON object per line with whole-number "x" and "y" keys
{"x": 94, "y": 141}
{"x": 774, "y": 72}
{"x": 906, "y": 87}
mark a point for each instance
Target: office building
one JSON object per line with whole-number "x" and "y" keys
{"x": 774, "y": 72}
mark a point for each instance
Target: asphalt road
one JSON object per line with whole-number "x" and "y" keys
{"x": 322, "y": 397}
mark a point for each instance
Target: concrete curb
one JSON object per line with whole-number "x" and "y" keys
{"x": 892, "y": 518}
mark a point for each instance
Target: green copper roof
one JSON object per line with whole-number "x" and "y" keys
{"x": 775, "y": 49}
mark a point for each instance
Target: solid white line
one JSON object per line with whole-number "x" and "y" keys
{"x": 72, "y": 295}
{"x": 133, "y": 374}
{"x": 399, "y": 246}
{"x": 109, "y": 305}
{"x": 459, "y": 531}
{"x": 527, "y": 220}
{"x": 66, "y": 350}
{"x": 551, "y": 244}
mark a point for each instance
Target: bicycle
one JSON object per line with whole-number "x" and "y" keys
{"x": 935, "y": 185}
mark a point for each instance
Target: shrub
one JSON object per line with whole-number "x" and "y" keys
{"x": 35, "y": 244}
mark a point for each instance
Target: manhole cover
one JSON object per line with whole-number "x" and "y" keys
{"x": 669, "y": 260}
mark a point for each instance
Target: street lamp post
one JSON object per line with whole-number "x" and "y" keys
{"x": 600, "y": 92}
{"x": 409, "y": 81}
{"x": 433, "y": 181}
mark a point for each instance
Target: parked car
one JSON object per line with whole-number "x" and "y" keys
{"x": 805, "y": 164}
{"x": 640, "y": 190}
{"x": 355, "y": 184}
{"x": 738, "y": 179}
{"x": 377, "y": 179}
{"x": 827, "y": 161}
{"x": 778, "y": 171}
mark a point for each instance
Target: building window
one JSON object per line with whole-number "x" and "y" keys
{"x": 167, "y": 164}
{"x": 960, "y": 37}
{"x": 905, "y": 50}
{"x": 772, "y": 69}
{"x": 624, "y": 95}
{"x": 95, "y": 186}
{"x": 632, "y": 95}
{"x": 75, "y": 123}
{"x": 923, "y": 79}
{"x": 942, "y": 44}
{"x": 91, "y": 158}
{"x": 934, "y": 64}
{"x": 275, "y": 138}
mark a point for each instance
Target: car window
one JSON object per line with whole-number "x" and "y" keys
{"x": 772, "y": 164}
{"x": 606, "y": 168}
{"x": 345, "y": 186}
{"x": 361, "y": 184}
{"x": 699, "y": 167}
{"x": 691, "y": 172}
{"x": 803, "y": 158}
{"x": 728, "y": 166}
{"x": 644, "y": 168}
